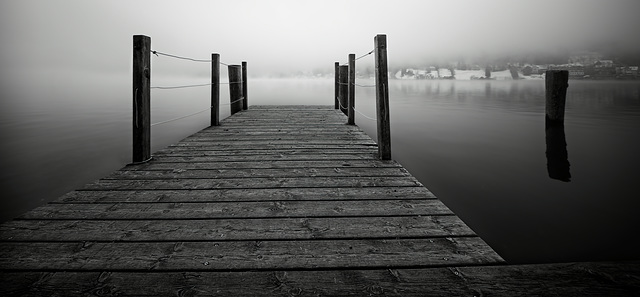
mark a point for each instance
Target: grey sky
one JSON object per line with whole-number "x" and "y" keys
{"x": 87, "y": 35}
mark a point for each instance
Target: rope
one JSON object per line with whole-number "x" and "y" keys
{"x": 192, "y": 86}
{"x": 182, "y": 117}
{"x": 340, "y": 103}
{"x": 364, "y": 86}
{"x": 225, "y": 104}
{"x": 157, "y": 53}
{"x": 179, "y": 57}
{"x": 181, "y": 87}
{"x": 358, "y": 58}
{"x": 192, "y": 114}
{"x": 364, "y": 115}
{"x": 369, "y": 53}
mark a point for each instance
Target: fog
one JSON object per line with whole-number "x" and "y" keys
{"x": 285, "y": 36}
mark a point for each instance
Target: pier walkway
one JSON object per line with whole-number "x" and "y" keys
{"x": 277, "y": 200}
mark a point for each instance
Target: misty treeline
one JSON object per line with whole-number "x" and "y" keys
{"x": 497, "y": 62}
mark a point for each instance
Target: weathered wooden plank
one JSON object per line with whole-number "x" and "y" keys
{"x": 277, "y": 137}
{"x": 329, "y": 122}
{"x": 157, "y": 165}
{"x": 234, "y": 229}
{"x": 278, "y": 194}
{"x": 214, "y": 150}
{"x": 266, "y": 109}
{"x": 255, "y": 135}
{"x": 321, "y": 108}
{"x": 281, "y": 129}
{"x": 192, "y": 151}
{"x": 262, "y": 144}
{"x": 303, "y": 146}
{"x": 246, "y": 255}
{"x": 317, "y": 143}
{"x": 566, "y": 279}
{"x": 305, "y": 118}
{"x": 262, "y": 173}
{"x": 283, "y": 125}
{"x": 254, "y": 183}
{"x": 275, "y": 134}
{"x": 289, "y": 111}
{"x": 270, "y": 158}
{"x": 253, "y": 209}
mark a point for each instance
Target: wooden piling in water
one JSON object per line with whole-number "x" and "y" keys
{"x": 215, "y": 89}
{"x": 351, "y": 90}
{"x": 245, "y": 101}
{"x": 141, "y": 98}
{"x": 382, "y": 98}
{"x": 556, "y": 83}
{"x": 343, "y": 90}
{"x": 235, "y": 88}
{"x": 336, "y": 84}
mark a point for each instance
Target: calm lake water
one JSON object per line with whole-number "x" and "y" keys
{"x": 480, "y": 146}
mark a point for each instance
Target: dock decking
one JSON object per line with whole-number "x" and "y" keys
{"x": 277, "y": 200}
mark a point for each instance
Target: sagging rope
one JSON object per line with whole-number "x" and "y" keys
{"x": 182, "y": 117}
{"x": 357, "y": 85}
{"x": 192, "y": 114}
{"x": 225, "y": 104}
{"x": 193, "y": 86}
{"x": 369, "y": 53}
{"x": 157, "y": 53}
{"x": 364, "y": 86}
{"x": 360, "y": 57}
{"x": 362, "y": 114}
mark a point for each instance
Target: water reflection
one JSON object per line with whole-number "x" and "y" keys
{"x": 557, "y": 154}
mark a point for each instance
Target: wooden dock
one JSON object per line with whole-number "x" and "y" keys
{"x": 277, "y": 200}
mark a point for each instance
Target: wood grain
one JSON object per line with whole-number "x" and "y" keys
{"x": 564, "y": 279}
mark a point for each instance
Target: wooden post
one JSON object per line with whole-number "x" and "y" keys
{"x": 235, "y": 88}
{"x": 245, "y": 102}
{"x": 351, "y": 113}
{"x": 215, "y": 89}
{"x": 141, "y": 98}
{"x": 382, "y": 98}
{"x": 337, "y": 84}
{"x": 343, "y": 90}
{"x": 556, "y": 83}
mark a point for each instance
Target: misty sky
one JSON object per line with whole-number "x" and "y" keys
{"x": 95, "y": 36}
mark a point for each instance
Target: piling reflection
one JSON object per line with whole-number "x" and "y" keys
{"x": 557, "y": 154}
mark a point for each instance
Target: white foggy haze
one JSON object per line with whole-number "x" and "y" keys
{"x": 285, "y": 36}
